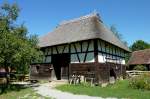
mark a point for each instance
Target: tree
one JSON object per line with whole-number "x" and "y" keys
{"x": 117, "y": 34}
{"x": 139, "y": 45}
{"x": 17, "y": 48}
{"x": 115, "y": 31}
{"x": 140, "y": 67}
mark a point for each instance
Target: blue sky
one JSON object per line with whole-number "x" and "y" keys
{"x": 131, "y": 17}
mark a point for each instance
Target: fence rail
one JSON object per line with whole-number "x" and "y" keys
{"x": 134, "y": 73}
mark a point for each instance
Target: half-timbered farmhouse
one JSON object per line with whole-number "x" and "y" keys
{"x": 81, "y": 46}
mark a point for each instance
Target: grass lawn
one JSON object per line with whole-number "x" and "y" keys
{"x": 21, "y": 93}
{"x": 119, "y": 90}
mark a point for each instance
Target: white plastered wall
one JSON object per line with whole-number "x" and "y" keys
{"x": 110, "y": 57}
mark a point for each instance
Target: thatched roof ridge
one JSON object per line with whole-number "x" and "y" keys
{"x": 79, "y": 29}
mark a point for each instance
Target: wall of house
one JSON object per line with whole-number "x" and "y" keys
{"x": 80, "y": 52}
{"x": 110, "y": 53}
{"x": 83, "y": 52}
{"x": 103, "y": 71}
{"x": 48, "y": 52}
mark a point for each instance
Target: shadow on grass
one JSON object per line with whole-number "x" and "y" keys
{"x": 11, "y": 87}
{"x": 14, "y": 87}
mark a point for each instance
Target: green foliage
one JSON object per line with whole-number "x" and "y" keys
{"x": 140, "y": 82}
{"x": 9, "y": 12}
{"x": 127, "y": 57}
{"x": 139, "y": 45}
{"x": 17, "y": 48}
{"x": 140, "y": 67}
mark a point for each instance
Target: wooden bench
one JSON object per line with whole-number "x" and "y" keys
{"x": 90, "y": 77}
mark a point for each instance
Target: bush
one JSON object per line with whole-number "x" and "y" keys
{"x": 140, "y": 82}
{"x": 140, "y": 67}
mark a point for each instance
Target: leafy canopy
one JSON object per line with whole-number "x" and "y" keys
{"x": 139, "y": 45}
{"x": 17, "y": 48}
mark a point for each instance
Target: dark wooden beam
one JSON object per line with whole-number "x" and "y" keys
{"x": 100, "y": 44}
{"x": 69, "y": 68}
{"x": 105, "y": 51}
{"x": 81, "y": 45}
{"x": 96, "y": 50}
{"x": 56, "y": 49}
{"x": 81, "y": 52}
{"x": 64, "y": 48}
{"x": 86, "y": 51}
{"x": 110, "y": 54}
{"x": 116, "y": 55}
{"x": 110, "y": 49}
{"x": 76, "y": 52}
{"x": 52, "y": 50}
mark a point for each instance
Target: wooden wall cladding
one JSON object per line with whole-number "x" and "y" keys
{"x": 82, "y": 67}
{"x": 101, "y": 70}
{"x": 40, "y": 71}
{"x": 104, "y": 70}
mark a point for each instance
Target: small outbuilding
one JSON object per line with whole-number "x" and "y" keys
{"x": 81, "y": 46}
{"x": 141, "y": 57}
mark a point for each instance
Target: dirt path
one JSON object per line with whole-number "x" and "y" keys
{"x": 48, "y": 91}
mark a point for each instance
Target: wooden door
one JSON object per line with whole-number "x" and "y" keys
{"x": 61, "y": 65}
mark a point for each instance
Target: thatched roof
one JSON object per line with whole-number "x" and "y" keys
{"x": 79, "y": 29}
{"x": 140, "y": 57}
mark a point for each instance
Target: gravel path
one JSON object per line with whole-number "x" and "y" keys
{"x": 48, "y": 91}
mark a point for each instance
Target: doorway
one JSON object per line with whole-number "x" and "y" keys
{"x": 112, "y": 73}
{"x": 61, "y": 65}
{"x": 112, "y": 76}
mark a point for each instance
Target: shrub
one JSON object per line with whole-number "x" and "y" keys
{"x": 140, "y": 82}
{"x": 140, "y": 67}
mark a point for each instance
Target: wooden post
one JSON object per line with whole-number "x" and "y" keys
{"x": 96, "y": 50}
{"x": 96, "y": 60}
{"x": 69, "y": 67}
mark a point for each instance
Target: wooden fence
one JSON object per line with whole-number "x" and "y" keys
{"x": 135, "y": 73}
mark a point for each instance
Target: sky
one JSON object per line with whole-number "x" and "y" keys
{"x": 131, "y": 17}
